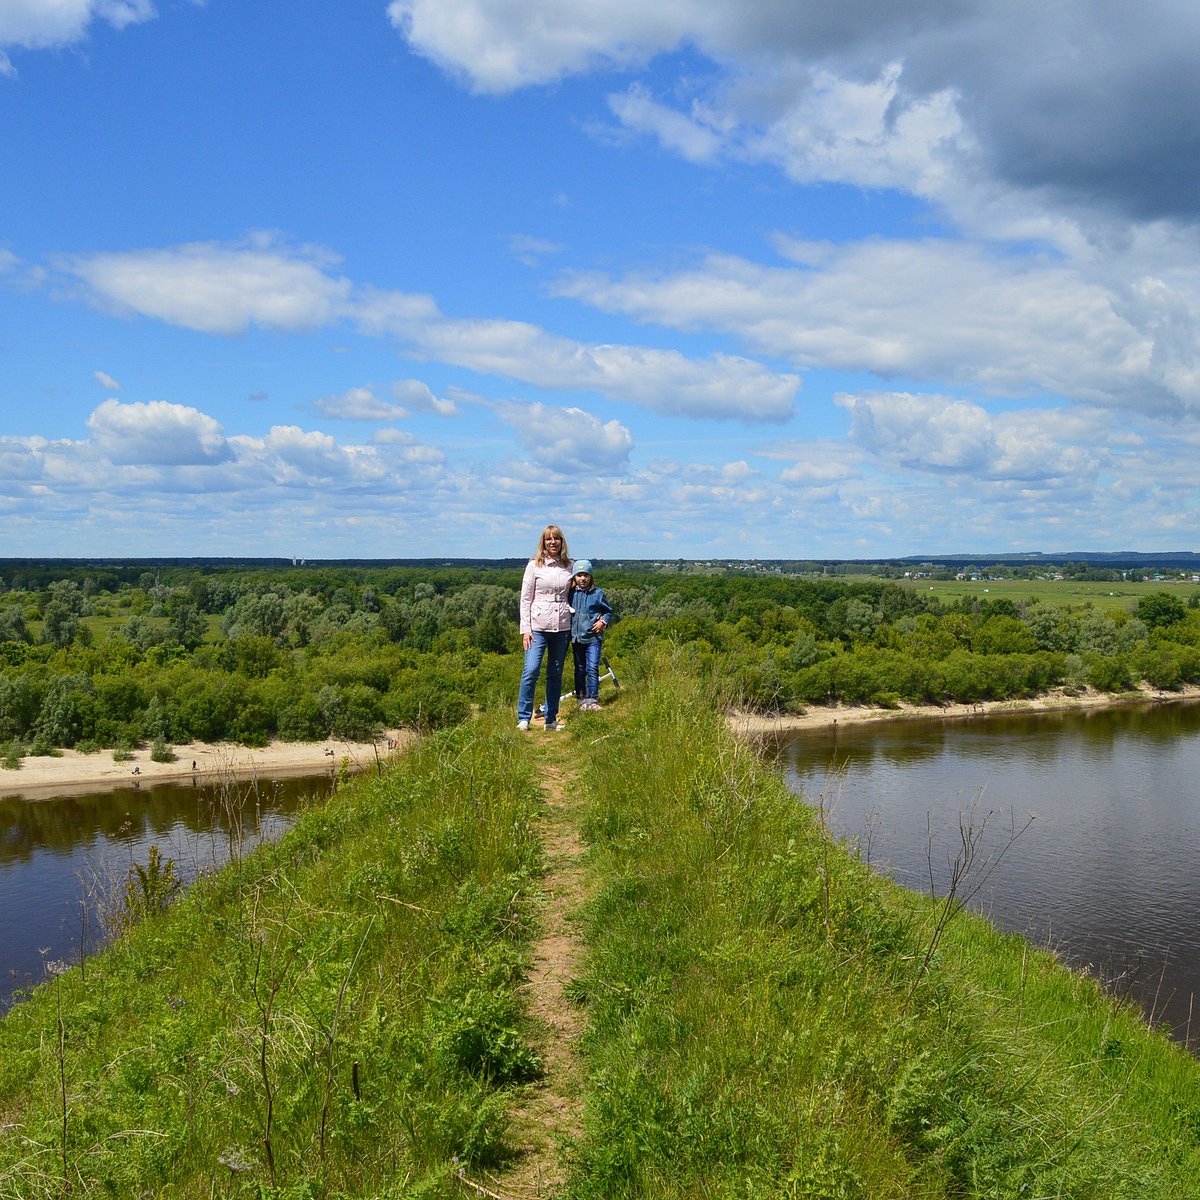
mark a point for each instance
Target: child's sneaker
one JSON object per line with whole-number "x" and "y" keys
{"x": 523, "y": 725}
{"x": 554, "y": 726}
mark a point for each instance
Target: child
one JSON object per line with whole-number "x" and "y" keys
{"x": 591, "y": 616}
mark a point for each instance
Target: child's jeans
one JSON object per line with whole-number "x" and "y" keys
{"x": 587, "y": 668}
{"x": 556, "y": 645}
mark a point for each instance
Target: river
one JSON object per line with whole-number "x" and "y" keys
{"x": 60, "y": 857}
{"x": 1107, "y": 874}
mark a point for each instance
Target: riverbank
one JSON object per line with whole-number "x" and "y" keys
{"x": 43, "y": 776}
{"x": 765, "y": 1016}
{"x": 822, "y": 716}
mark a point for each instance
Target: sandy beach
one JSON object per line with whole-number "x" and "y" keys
{"x": 45, "y": 776}
{"x": 820, "y": 716}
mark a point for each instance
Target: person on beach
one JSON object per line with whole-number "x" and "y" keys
{"x": 545, "y": 624}
{"x": 591, "y": 615}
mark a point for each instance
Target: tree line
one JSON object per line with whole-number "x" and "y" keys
{"x": 116, "y": 658}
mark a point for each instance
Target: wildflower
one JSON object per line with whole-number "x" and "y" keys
{"x": 232, "y": 1158}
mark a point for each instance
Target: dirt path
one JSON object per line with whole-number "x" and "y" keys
{"x": 548, "y": 1124}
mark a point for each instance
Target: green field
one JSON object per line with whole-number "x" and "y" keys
{"x": 1070, "y": 592}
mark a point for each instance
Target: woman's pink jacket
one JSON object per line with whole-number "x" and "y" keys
{"x": 544, "y": 607}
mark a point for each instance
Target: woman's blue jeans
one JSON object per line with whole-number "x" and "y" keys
{"x": 587, "y": 669}
{"x": 552, "y": 647}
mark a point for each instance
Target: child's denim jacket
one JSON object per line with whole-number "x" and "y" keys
{"x": 585, "y": 608}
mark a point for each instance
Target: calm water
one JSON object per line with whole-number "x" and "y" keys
{"x": 1108, "y": 874}
{"x": 55, "y": 853}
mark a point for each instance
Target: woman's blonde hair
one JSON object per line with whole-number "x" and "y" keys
{"x": 540, "y": 556}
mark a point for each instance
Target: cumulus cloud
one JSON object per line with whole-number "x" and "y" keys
{"x": 498, "y": 46}
{"x": 36, "y": 24}
{"x": 216, "y": 287}
{"x": 945, "y": 435}
{"x": 568, "y": 439}
{"x": 819, "y": 463}
{"x": 418, "y": 396}
{"x": 360, "y": 404}
{"x": 138, "y": 452}
{"x": 157, "y": 434}
{"x": 1082, "y": 103}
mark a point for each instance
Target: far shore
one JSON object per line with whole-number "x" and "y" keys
{"x": 823, "y": 716}
{"x": 45, "y": 776}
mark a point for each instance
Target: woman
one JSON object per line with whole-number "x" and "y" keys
{"x": 545, "y": 624}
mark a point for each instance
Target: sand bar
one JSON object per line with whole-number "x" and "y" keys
{"x": 821, "y": 716}
{"x": 43, "y": 777}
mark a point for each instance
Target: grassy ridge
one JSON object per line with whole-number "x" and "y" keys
{"x": 764, "y": 1022}
{"x": 334, "y": 1015}
{"x": 340, "y": 1015}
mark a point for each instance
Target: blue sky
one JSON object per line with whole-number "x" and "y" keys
{"x": 701, "y": 279}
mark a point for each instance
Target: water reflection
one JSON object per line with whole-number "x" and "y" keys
{"x": 55, "y": 854}
{"x": 1107, "y": 874}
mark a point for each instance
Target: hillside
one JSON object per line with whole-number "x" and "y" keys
{"x": 619, "y": 962}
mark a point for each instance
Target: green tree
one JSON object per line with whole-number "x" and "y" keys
{"x": 187, "y": 625}
{"x": 59, "y": 624}
{"x": 1003, "y": 634}
{"x": 1160, "y": 609}
{"x": 18, "y": 707}
{"x": 13, "y": 627}
{"x": 68, "y": 707}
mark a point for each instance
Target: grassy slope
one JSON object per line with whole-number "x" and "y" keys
{"x": 759, "y": 1023}
{"x": 762, "y": 1025}
{"x": 337, "y": 1015}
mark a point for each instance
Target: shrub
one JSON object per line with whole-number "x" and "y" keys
{"x": 161, "y": 752}
{"x": 429, "y": 704}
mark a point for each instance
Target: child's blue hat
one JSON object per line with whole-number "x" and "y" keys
{"x": 583, "y": 566}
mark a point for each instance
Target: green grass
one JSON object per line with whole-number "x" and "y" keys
{"x": 761, "y": 1024}
{"x": 1106, "y": 597}
{"x": 340, "y": 1015}
{"x": 336, "y": 1015}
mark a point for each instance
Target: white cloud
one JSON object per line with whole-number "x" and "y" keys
{"x": 818, "y": 463}
{"x": 686, "y": 134}
{"x": 531, "y": 250}
{"x": 224, "y": 289}
{"x": 568, "y": 439}
{"x": 418, "y": 396}
{"x": 105, "y": 380}
{"x": 721, "y": 387}
{"x": 866, "y": 133}
{"x": 1077, "y": 104}
{"x": 39, "y": 24}
{"x": 391, "y": 436}
{"x": 943, "y": 435}
{"x": 217, "y": 288}
{"x": 937, "y": 309}
{"x": 360, "y": 404}
{"x": 156, "y": 434}
{"x": 499, "y": 45}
